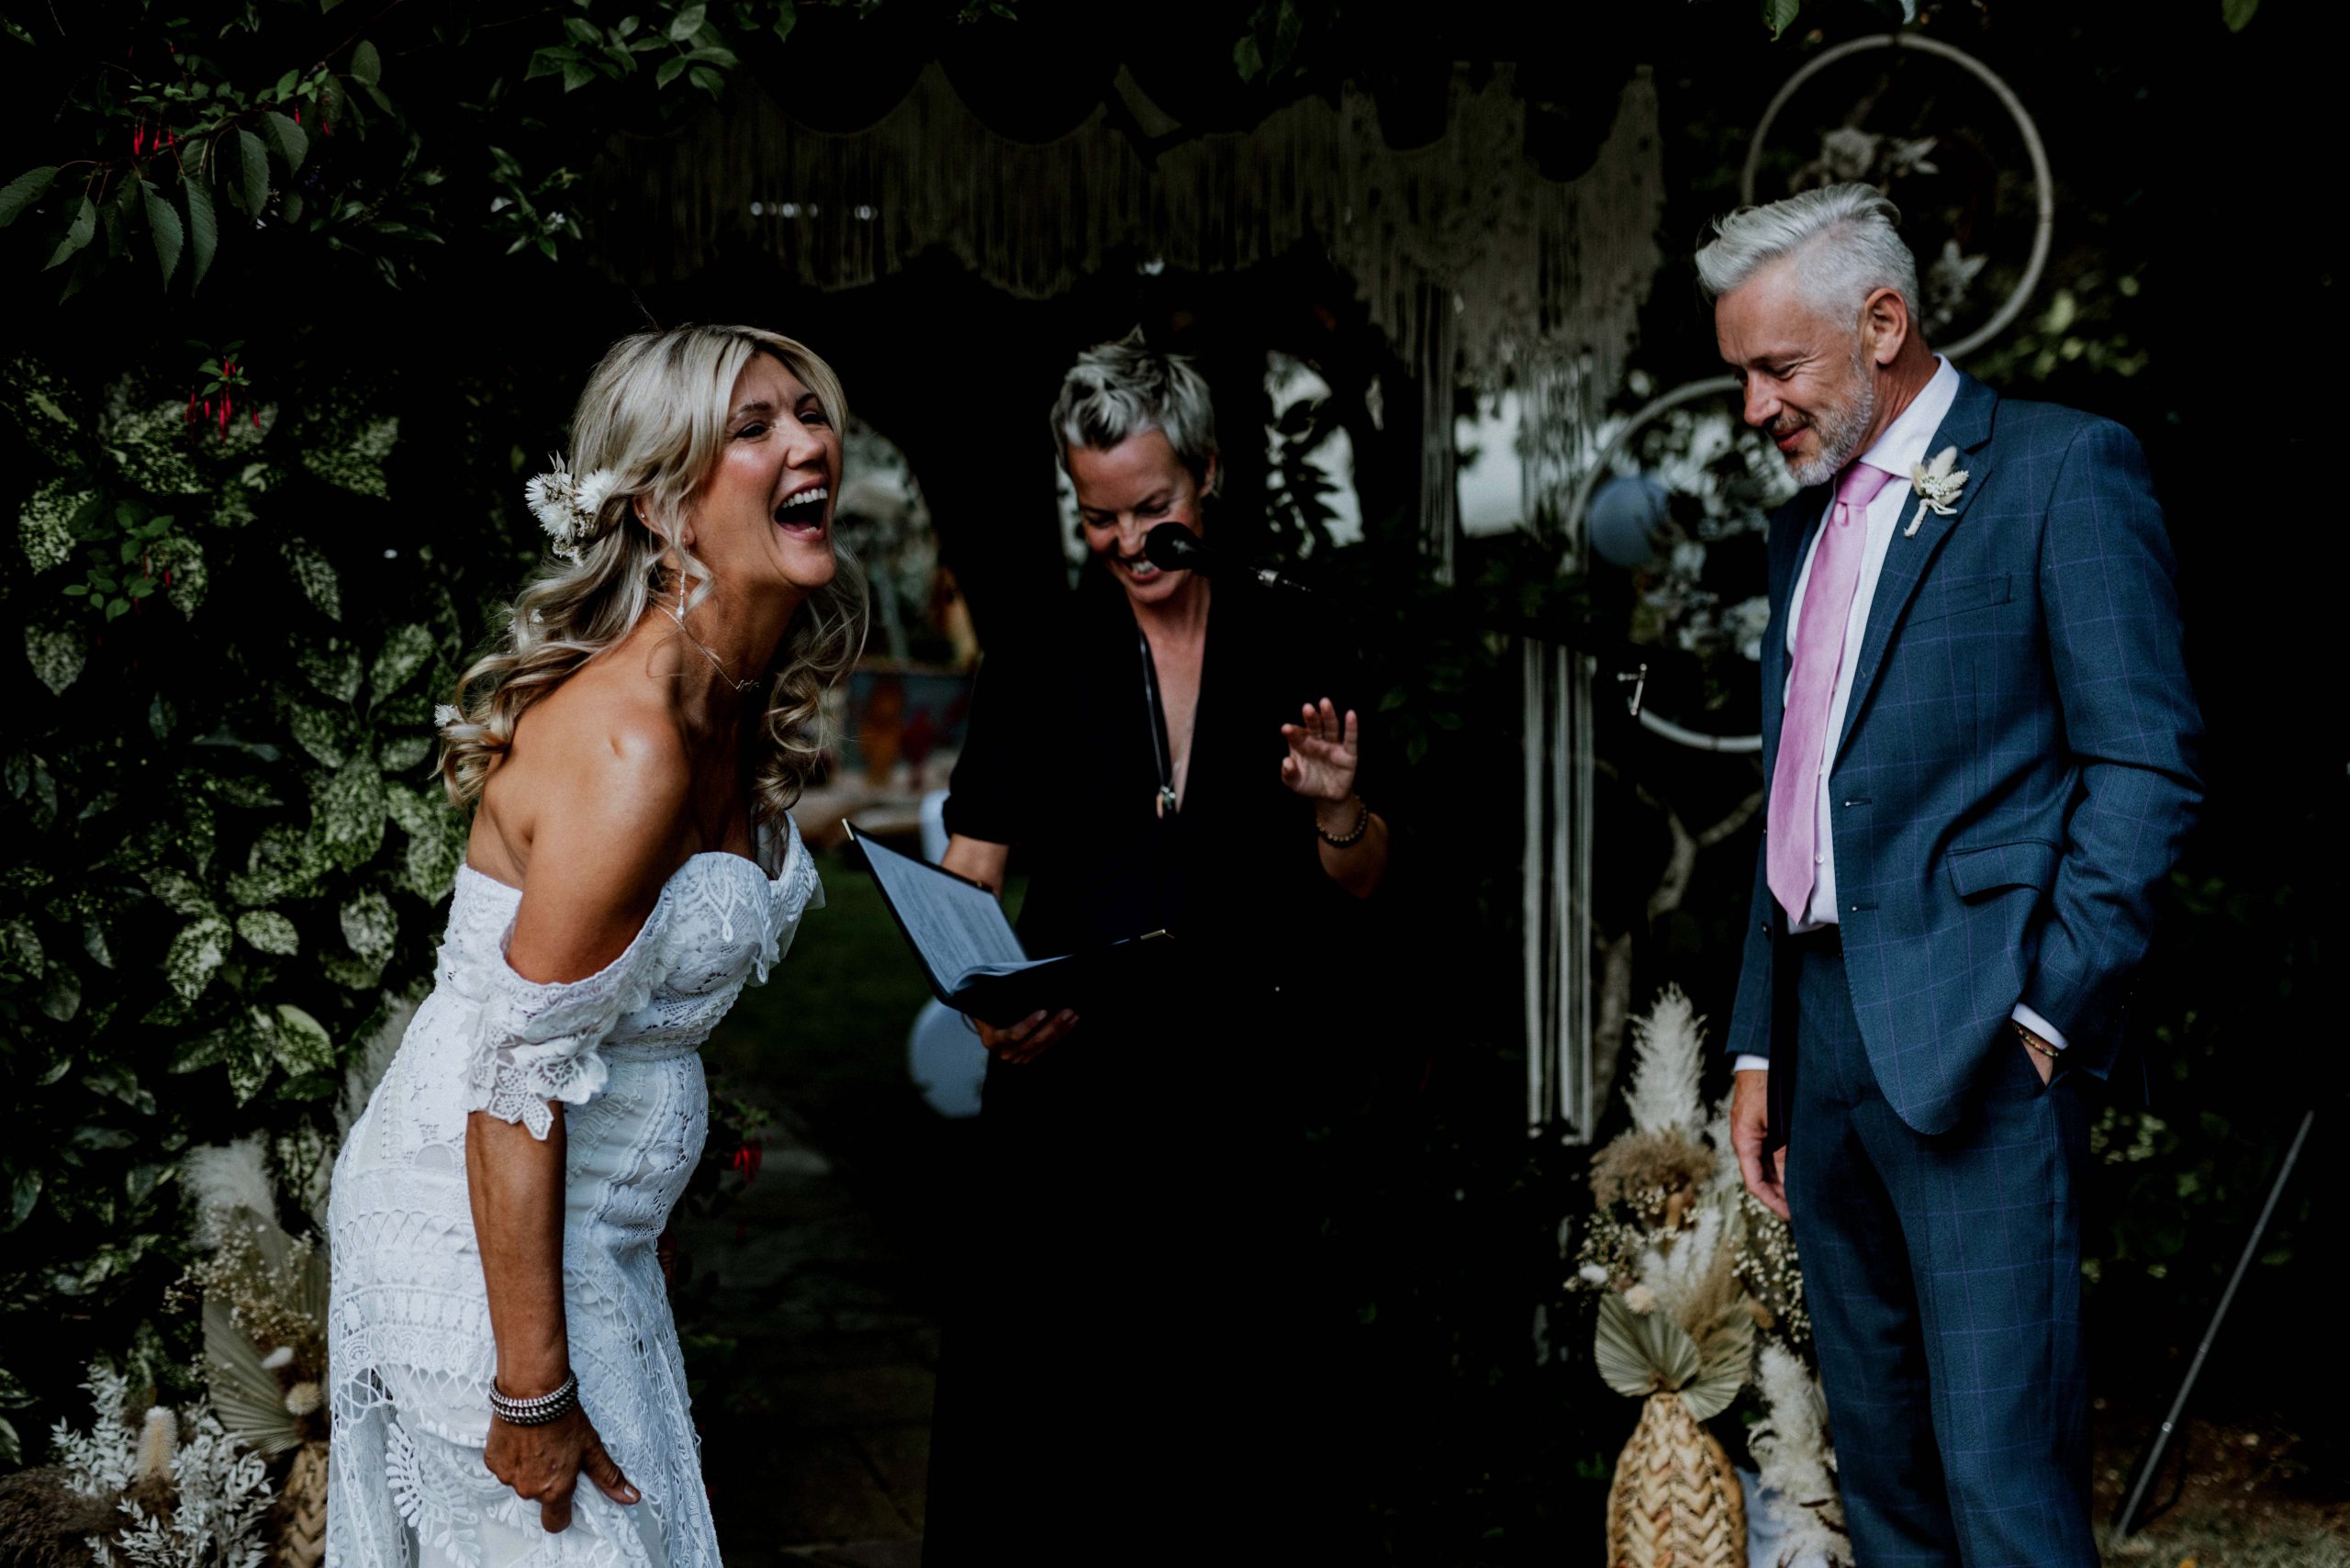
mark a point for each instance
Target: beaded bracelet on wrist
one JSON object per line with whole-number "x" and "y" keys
{"x": 2032, "y": 1040}
{"x": 540, "y": 1410}
{"x": 1341, "y": 841}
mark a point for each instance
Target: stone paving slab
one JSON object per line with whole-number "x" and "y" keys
{"x": 860, "y": 1554}
{"x": 801, "y": 1488}
{"x": 900, "y": 1458}
{"x": 806, "y": 1299}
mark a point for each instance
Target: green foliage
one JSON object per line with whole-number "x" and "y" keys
{"x": 200, "y": 111}
{"x": 225, "y": 852}
{"x": 1265, "y": 52}
{"x": 1441, "y": 657}
{"x": 1778, "y": 15}
{"x": 2178, "y": 1187}
{"x": 2085, "y": 326}
{"x": 1297, "y": 491}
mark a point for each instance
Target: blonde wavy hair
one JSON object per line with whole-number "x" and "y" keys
{"x": 654, "y": 415}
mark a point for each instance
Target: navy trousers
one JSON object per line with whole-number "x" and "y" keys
{"x": 1944, "y": 1278}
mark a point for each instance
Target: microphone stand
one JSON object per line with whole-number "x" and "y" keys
{"x": 2126, "y": 1522}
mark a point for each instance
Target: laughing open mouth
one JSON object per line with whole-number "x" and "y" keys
{"x": 804, "y": 510}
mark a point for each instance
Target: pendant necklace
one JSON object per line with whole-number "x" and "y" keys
{"x": 715, "y": 663}
{"x": 1154, "y": 713}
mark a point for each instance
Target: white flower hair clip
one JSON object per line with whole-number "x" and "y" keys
{"x": 1937, "y": 486}
{"x": 445, "y": 715}
{"x": 567, "y": 506}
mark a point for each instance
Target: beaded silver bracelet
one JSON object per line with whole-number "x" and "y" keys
{"x": 1341, "y": 841}
{"x": 539, "y": 1410}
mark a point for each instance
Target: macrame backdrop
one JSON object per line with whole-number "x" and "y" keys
{"x": 1476, "y": 267}
{"x": 1542, "y": 277}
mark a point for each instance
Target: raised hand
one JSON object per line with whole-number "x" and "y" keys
{"x": 1323, "y": 754}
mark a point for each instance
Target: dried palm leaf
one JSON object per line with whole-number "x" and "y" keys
{"x": 1639, "y": 1353}
{"x": 245, "y": 1393}
{"x": 1722, "y": 1373}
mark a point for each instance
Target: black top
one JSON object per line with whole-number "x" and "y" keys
{"x": 1148, "y": 1180}
{"x": 1060, "y": 764}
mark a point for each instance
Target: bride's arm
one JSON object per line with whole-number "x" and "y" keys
{"x": 605, "y": 839}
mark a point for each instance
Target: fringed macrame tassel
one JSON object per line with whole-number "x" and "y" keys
{"x": 1541, "y": 279}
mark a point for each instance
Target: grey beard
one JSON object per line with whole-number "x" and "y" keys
{"x": 1840, "y": 433}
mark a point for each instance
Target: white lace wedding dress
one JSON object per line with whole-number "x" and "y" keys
{"x": 410, "y": 1353}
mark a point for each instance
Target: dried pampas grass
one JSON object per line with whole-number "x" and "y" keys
{"x": 1648, "y": 1171}
{"x": 1790, "y": 1449}
{"x": 1664, "y": 1080}
{"x": 226, "y": 1183}
{"x": 1697, "y": 1284}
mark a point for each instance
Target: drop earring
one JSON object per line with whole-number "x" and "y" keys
{"x": 678, "y": 615}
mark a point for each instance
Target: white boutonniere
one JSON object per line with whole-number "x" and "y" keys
{"x": 1938, "y": 487}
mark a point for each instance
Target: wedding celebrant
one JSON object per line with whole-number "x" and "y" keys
{"x": 629, "y": 750}
{"x": 1980, "y": 742}
{"x": 1125, "y": 1361}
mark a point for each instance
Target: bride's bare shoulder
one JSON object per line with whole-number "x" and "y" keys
{"x": 595, "y": 755}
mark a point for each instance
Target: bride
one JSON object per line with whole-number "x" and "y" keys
{"x": 499, "y": 1327}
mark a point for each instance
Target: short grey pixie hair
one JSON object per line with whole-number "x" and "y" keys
{"x": 1850, "y": 241}
{"x": 1119, "y": 389}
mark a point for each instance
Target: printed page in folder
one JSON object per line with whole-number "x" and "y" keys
{"x": 957, "y": 927}
{"x": 975, "y": 963}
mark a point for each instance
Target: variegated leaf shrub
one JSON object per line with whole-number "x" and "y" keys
{"x": 225, "y": 843}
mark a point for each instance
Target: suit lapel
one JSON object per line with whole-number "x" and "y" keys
{"x": 1967, "y": 427}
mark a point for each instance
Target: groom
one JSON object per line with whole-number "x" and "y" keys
{"x": 1980, "y": 741}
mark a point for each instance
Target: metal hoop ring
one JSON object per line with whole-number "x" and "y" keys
{"x": 2043, "y": 235}
{"x": 2044, "y": 183}
{"x": 1581, "y": 502}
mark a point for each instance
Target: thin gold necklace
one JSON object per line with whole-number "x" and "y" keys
{"x": 715, "y": 662}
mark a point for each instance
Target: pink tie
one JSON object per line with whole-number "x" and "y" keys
{"x": 1794, "y": 853}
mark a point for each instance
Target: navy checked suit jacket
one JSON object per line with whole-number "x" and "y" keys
{"x": 2018, "y": 763}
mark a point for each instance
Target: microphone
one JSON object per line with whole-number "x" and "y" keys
{"x": 1171, "y": 547}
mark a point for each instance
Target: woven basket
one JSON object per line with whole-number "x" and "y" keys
{"x": 1674, "y": 1503}
{"x": 302, "y": 1510}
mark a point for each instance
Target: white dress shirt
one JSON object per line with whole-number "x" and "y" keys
{"x": 1901, "y": 448}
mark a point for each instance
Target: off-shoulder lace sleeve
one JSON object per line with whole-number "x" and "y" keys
{"x": 536, "y": 1042}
